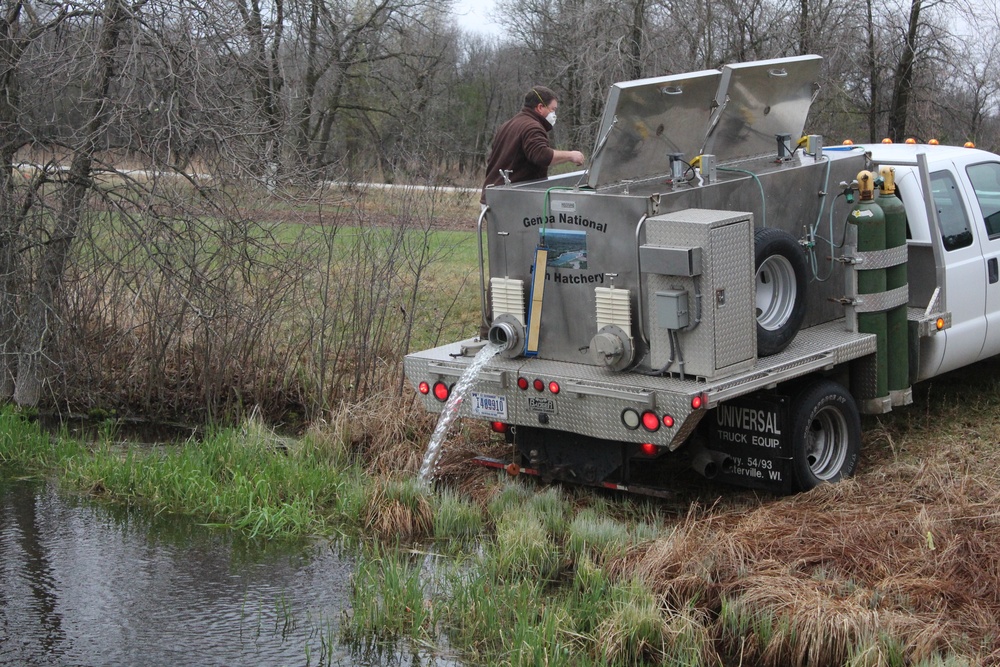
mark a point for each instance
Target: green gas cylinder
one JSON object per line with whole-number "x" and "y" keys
{"x": 869, "y": 219}
{"x": 895, "y": 277}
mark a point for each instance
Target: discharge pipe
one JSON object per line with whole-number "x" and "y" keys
{"x": 507, "y": 333}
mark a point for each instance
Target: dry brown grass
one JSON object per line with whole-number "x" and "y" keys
{"x": 399, "y": 511}
{"x": 908, "y": 551}
{"x": 898, "y": 565}
{"x": 387, "y": 434}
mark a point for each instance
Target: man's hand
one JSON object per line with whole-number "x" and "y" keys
{"x": 559, "y": 157}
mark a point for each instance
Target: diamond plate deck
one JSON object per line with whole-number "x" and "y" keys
{"x": 592, "y": 398}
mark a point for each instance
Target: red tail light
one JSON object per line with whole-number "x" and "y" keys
{"x": 650, "y": 421}
{"x": 648, "y": 448}
{"x": 668, "y": 421}
{"x": 697, "y": 402}
{"x": 554, "y": 387}
{"x": 498, "y": 427}
{"x": 424, "y": 388}
{"x": 441, "y": 391}
{"x": 522, "y": 383}
{"x": 539, "y": 385}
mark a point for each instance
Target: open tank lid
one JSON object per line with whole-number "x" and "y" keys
{"x": 647, "y": 119}
{"x": 759, "y": 100}
{"x": 733, "y": 113}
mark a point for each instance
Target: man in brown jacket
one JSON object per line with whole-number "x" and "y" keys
{"x": 521, "y": 145}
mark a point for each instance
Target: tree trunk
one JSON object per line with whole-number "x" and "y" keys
{"x": 903, "y": 84}
{"x": 39, "y": 321}
{"x": 9, "y": 227}
{"x": 872, "y": 66}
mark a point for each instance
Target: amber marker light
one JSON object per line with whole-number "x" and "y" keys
{"x": 933, "y": 142}
{"x": 848, "y": 142}
{"x": 911, "y": 141}
{"x": 940, "y": 323}
{"x": 887, "y": 140}
{"x": 969, "y": 144}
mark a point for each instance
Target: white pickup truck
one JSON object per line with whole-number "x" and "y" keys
{"x": 715, "y": 293}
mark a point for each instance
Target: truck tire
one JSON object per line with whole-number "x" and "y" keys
{"x": 826, "y": 434}
{"x": 780, "y": 285}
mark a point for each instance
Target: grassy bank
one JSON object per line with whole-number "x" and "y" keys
{"x": 898, "y": 566}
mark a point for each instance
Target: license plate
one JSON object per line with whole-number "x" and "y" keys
{"x": 489, "y": 405}
{"x": 546, "y": 405}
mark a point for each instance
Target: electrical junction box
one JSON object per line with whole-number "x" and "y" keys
{"x": 672, "y": 309}
{"x": 719, "y": 335}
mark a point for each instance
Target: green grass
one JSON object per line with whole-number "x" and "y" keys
{"x": 457, "y": 520}
{"x": 524, "y": 575}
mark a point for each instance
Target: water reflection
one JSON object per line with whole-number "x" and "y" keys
{"x": 82, "y": 584}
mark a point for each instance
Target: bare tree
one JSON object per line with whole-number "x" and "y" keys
{"x": 36, "y": 325}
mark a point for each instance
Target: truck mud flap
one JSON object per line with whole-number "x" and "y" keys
{"x": 749, "y": 444}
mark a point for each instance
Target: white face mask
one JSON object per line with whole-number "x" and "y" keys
{"x": 551, "y": 118}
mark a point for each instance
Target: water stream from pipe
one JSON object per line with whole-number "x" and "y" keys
{"x": 451, "y": 409}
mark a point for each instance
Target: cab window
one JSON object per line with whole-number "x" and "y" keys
{"x": 955, "y": 230}
{"x": 985, "y": 180}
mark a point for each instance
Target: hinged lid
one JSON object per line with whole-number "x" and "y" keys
{"x": 646, "y": 120}
{"x": 757, "y": 101}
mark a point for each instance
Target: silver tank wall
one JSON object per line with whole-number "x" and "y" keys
{"x": 591, "y": 236}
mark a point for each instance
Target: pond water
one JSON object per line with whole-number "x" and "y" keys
{"x": 86, "y": 584}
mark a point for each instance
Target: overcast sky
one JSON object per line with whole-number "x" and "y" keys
{"x": 472, "y": 15}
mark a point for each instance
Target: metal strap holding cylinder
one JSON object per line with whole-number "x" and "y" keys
{"x": 881, "y": 259}
{"x": 881, "y": 301}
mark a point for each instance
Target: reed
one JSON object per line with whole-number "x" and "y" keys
{"x": 24, "y": 445}
{"x": 389, "y": 597}
{"x": 523, "y": 548}
{"x": 597, "y": 536}
{"x": 456, "y": 519}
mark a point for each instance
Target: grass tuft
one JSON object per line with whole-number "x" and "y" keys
{"x": 399, "y": 510}
{"x": 523, "y": 548}
{"x": 456, "y": 518}
{"x": 634, "y": 631}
